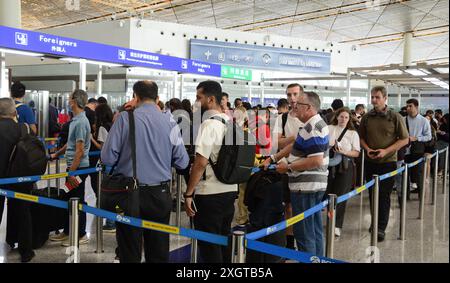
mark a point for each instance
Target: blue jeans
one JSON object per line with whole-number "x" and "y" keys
{"x": 309, "y": 232}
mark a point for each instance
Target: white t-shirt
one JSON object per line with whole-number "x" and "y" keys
{"x": 293, "y": 124}
{"x": 208, "y": 144}
{"x": 349, "y": 142}
{"x": 102, "y": 135}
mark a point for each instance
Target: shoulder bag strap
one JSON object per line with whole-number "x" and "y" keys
{"x": 284, "y": 119}
{"x": 342, "y": 135}
{"x": 132, "y": 136}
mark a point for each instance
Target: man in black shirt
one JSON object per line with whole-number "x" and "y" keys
{"x": 9, "y": 136}
{"x": 89, "y": 110}
{"x": 53, "y": 126}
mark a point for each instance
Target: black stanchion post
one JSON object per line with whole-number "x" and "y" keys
{"x": 73, "y": 230}
{"x": 331, "y": 225}
{"x": 238, "y": 247}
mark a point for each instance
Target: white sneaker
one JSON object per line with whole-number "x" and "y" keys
{"x": 59, "y": 237}
{"x": 82, "y": 241}
{"x": 337, "y": 232}
{"x": 414, "y": 186}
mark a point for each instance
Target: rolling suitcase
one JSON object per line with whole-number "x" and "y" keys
{"x": 264, "y": 199}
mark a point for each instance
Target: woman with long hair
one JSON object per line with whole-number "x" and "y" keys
{"x": 344, "y": 140}
{"x": 103, "y": 123}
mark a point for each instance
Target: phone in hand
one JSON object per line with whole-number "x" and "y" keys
{"x": 194, "y": 207}
{"x": 374, "y": 153}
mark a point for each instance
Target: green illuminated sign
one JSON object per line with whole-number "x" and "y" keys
{"x": 236, "y": 73}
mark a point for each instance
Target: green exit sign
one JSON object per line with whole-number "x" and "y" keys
{"x": 236, "y": 73}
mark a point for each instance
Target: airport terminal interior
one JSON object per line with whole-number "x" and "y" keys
{"x": 260, "y": 52}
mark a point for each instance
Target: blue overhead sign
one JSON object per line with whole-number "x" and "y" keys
{"x": 260, "y": 57}
{"x": 24, "y": 40}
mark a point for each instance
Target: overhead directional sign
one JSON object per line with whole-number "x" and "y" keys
{"x": 260, "y": 57}
{"x": 31, "y": 41}
{"x": 236, "y": 73}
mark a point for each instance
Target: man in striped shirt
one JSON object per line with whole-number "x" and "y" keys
{"x": 306, "y": 162}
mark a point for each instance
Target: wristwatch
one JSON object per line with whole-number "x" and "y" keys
{"x": 273, "y": 158}
{"x": 188, "y": 196}
{"x": 289, "y": 168}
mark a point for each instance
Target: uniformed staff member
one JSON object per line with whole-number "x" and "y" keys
{"x": 158, "y": 147}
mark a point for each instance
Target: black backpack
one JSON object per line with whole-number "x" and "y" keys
{"x": 28, "y": 158}
{"x": 236, "y": 156}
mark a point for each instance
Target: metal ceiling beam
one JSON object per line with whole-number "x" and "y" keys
{"x": 358, "y": 77}
{"x": 317, "y": 17}
{"x": 398, "y": 67}
{"x": 156, "y": 6}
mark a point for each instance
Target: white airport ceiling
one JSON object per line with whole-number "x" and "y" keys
{"x": 376, "y": 25}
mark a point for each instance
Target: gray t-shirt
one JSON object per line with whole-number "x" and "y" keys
{"x": 79, "y": 131}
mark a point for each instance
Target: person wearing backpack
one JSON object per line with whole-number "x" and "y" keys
{"x": 76, "y": 151}
{"x": 214, "y": 201}
{"x": 10, "y": 134}
{"x": 24, "y": 112}
{"x": 382, "y": 133}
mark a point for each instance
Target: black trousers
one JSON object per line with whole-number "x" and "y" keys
{"x": 214, "y": 215}
{"x": 340, "y": 184}
{"x": 155, "y": 205}
{"x": 386, "y": 187}
{"x": 77, "y": 193}
{"x": 20, "y": 211}
{"x": 415, "y": 174}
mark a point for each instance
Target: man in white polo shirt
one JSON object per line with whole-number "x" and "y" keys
{"x": 285, "y": 131}
{"x": 214, "y": 201}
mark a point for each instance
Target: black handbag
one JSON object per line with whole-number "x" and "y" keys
{"x": 118, "y": 189}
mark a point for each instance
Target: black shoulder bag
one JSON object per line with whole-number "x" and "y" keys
{"x": 117, "y": 188}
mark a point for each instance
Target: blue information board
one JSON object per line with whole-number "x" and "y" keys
{"x": 260, "y": 57}
{"x": 31, "y": 41}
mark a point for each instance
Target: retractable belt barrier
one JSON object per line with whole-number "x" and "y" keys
{"x": 288, "y": 253}
{"x": 302, "y": 216}
{"x": 28, "y": 179}
{"x": 251, "y": 239}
